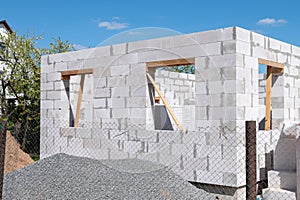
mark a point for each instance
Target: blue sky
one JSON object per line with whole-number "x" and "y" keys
{"x": 89, "y": 23}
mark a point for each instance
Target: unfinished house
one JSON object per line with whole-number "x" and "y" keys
{"x": 125, "y": 101}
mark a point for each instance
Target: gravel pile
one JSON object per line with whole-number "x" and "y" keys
{"x": 68, "y": 177}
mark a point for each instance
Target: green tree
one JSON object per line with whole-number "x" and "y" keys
{"x": 59, "y": 46}
{"x": 188, "y": 69}
{"x": 20, "y": 87}
{"x": 20, "y": 90}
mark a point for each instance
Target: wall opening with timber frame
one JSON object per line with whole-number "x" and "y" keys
{"x": 267, "y": 79}
{"x": 76, "y": 83}
{"x": 172, "y": 94}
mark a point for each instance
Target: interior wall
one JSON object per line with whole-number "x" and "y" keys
{"x": 179, "y": 91}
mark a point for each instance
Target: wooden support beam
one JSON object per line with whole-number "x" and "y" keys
{"x": 270, "y": 63}
{"x": 176, "y": 62}
{"x": 79, "y": 100}
{"x": 268, "y": 98}
{"x": 165, "y": 102}
{"x": 65, "y": 75}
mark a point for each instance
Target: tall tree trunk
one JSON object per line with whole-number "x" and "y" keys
{"x": 2, "y": 153}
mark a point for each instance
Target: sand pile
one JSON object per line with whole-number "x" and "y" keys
{"x": 15, "y": 158}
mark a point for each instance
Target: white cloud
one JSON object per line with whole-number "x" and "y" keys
{"x": 112, "y": 25}
{"x": 271, "y": 21}
{"x": 116, "y": 18}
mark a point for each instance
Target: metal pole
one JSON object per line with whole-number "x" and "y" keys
{"x": 251, "y": 160}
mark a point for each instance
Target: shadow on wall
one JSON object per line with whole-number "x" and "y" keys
{"x": 285, "y": 161}
{"x": 262, "y": 123}
{"x": 161, "y": 118}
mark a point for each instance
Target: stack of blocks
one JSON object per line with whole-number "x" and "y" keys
{"x": 117, "y": 120}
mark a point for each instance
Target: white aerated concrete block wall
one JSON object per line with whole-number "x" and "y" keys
{"x": 117, "y": 115}
{"x": 179, "y": 91}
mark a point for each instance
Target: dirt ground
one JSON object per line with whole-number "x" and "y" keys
{"x": 15, "y": 158}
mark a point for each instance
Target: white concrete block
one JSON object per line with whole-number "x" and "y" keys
{"x": 242, "y": 34}
{"x": 136, "y": 102}
{"x": 137, "y": 113}
{"x": 149, "y": 56}
{"x": 75, "y": 64}
{"x": 227, "y": 34}
{"x": 209, "y": 36}
{"x": 229, "y": 47}
{"x": 47, "y": 104}
{"x": 92, "y": 144}
{"x": 102, "y": 92}
{"x": 116, "y": 81}
{"x": 295, "y": 50}
{"x": 100, "y": 51}
{"x": 120, "y": 92}
{"x": 135, "y": 79}
{"x": 120, "y": 113}
{"x": 67, "y": 132}
{"x": 118, "y": 102}
{"x": 139, "y": 90}
{"x": 47, "y": 86}
{"x": 274, "y": 44}
{"x": 46, "y": 68}
{"x": 230, "y": 86}
{"x": 272, "y": 193}
{"x": 295, "y": 61}
{"x": 138, "y": 69}
{"x": 243, "y": 47}
{"x": 83, "y": 132}
{"x": 59, "y": 86}
{"x": 210, "y": 177}
{"x": 60, "y": 66}
{"x": 119, "y": 49}
{"x": 53, "y": 95}
{"x": 101, "y": 113}
{"x": 282, "y": 180}
{"x": 128, "y": 59}
{"x": 182, "y": 40}
{"x": 201, "y": 113}
{"x": 285, "y": 155}
{"x": 100, "y": 82}
{"x": 186, "y": 52}
{"x": 243, "y": 100}
{"x": 258, "y": 39}
{"x": 100, "y": 103}
{"x": 285, "y": 48}
{"x": 120, "y": 70}
{"x": 100, "y": 62}
{"x": 259, "y": 52}
{"x": 55, "y": 76}
{"x": 213, "y": 48}
{"x": 215, "y": 87}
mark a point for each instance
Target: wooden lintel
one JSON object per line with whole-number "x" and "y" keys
{"x": 270, "y": 63}
{"x": 268, "y": 98}
{"x": 169, "y": 109}
{"x": 176, "y": 62}
{"x": 65, "y": 75}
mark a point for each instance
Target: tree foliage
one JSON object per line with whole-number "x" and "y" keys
{"x": 188, "y": 69}
{"x": 20, "y": 86}
{"x": 59, "y": 46}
